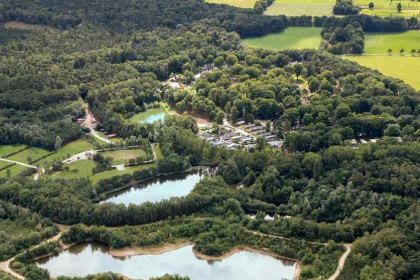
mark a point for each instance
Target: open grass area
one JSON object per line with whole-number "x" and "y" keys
{"x": 402, "y": 67}
{"x": 26, "y": 26}
{"x": 111, "y": 173}
{"x": 14, "y": 171}
{"x": 70, "y": 149}
{"x": 78, "y": 169}
{"x": 290, "y": 38}
{"x": 122, "y": 156}
{"x": 10, "y": 149}
{"x": 384, "y": 8}
{"x": 33, "y": 152}
{"x": 301, "y": 7}
{"x": 236, "y": 3}
{"x": 379, "y": 43}
{"x": 4, "y": 164}
{"x": 150, "y": 116}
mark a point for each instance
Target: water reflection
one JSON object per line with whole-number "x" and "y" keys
{"x": 154, "y": 118}
{"x": 92, "y": 258}
{"x": 159, "y": 189}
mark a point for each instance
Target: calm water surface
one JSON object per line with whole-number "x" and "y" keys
{"x": 154, "y": 117}
{"x": 92, "y": 258}
{"x": 157, "y": 190}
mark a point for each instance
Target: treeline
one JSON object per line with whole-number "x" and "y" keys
{"x": 20, "y": 229}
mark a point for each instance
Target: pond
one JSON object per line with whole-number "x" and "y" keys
{"x": 91, "y": 258}
{"x": 149, "y": 116}
{"x": 159, "y": 189}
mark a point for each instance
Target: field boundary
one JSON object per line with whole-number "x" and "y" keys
{"x": 17, "y": 152}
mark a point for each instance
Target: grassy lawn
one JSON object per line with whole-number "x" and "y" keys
{"x": 71, "y": 149}
{"x": 402, "y": 67}
{"x": 150, "y": 116}
{"x": 290, "y": 38}
{"x": 10, "y": 149}
{"x": 301, "y": 7}
{"x": 385, "y": 8}
{"x": 236, "y": 3}
{"x": 78, "y": 169}
{"x": 111, "y": 173}
{"x": 4, "y": 164}
{"x": 14, "y": 170}
{"x": 379, "y": 43}
{"x": 121, "y": 156}
{"x": 33, "y": 152}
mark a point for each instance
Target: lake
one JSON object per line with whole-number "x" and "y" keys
{"x": 91, "y": 258}
{"x": 149, "y": 116}
{"x": 159, "y": 189}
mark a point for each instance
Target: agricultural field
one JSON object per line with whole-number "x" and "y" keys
{"x": 379, "y": 43}
{"x": 4, "y": 164}
{"x": 33, "y": 152}
{"x": 150, "y": 116}
{"x": 121, "y": 156}
{"x": 290, "y": 38}
{"x": 385, "y": 8}
{"x": 6, "y": 150}
{"x": 401, "y": 67}
{"x": 301, "y": 7}
{"x": 236, "y": 3}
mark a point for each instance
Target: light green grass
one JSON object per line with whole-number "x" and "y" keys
{"x": 10, "y": 149}
{"x": 78, "y": 169}
{"x": 385, "y": 8}
{"x": 14, "y": 171}
{"x": 3, "y": 164}
{"x": 71, "y": 149}
{"x": 379, "y": 43}
{"x": 300, "y": 8}
{"x": 290, "y": 38}
{"x": 405, "y": 68}
{"x": 236, "y": 3}
{"x": 122, "y": 156}
{"x": 147, "y": 116}
{"x": 33, "y": 152}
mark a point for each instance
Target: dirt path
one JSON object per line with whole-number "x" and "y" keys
{"x": 5, "y": 266}
{"x": 89, "y": 123}
{"x": 341, "y": 262}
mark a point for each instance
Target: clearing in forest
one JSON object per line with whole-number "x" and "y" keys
{"x": 380, "y": 43}
{"x": 401, "y": 67}
{"x": 384, "y": 8}
{"x": 122, "y": 156}
{"x": 236, "y": 3}
{"x": 29, "y": 155}
{"x": 290, "y": 38}
{"x": 6, "y": 150}
{"x": 301, "y": 8}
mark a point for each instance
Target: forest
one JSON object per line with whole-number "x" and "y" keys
{"x": 117, "y": 56}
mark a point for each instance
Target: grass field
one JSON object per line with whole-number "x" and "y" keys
{"x": 385, "y": 8}
{"x": 33, "y": 152}
{"x": 236, "y": 3}
{"x": 3, "y": 164}
{"x": 405, "y": 68}
{"x": 150, "y": 116}
{"x": 290, "y": 38}
{"x": 10, "y": 149}
{"x": 379, "y": 43}
{"x": 78, "y": 169}
{"x": 14, "y": 170}
{"x": 301, "y": 7}
{"x": 121, "y": 156}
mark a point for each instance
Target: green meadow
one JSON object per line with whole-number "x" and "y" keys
{"x": 301, "y": 7}
{"x": 236, "y": 3}
{"x": 379, "y": 43}
{"x": 401, "y": 67}
{"x": 385, "y": 8}
{"x": 290, "y": 38}
{"x": 6, "y": 150}
{"x": 122, "y": 156}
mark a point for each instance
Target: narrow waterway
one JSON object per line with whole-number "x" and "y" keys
{"x": 92, "y": 258}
